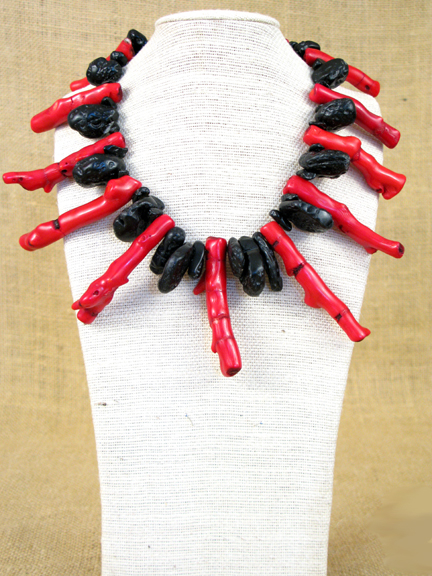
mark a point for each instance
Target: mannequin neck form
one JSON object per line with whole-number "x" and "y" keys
{"x": 200, "y": 474}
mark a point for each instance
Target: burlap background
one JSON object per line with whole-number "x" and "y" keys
{"x": 50, "y": 512}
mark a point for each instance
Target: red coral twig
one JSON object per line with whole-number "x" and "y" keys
{"x": 379, "y": 178}
{"x": 370, "y": 122}
{"x": 48, "y": 177}
{"x": 317, "y": 293}
{"x": 57, "y": 113}
{"x": 343, "y": 218}
{"x": 117, "y": 193}
{"x": 214, "y": 284}
{"x": 100, "y": 292}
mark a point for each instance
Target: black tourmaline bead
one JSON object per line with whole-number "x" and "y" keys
{"x": 253, "y": 277}
{"x": 99, "y": 169}
{"x": 323, "y": 163}
{"x": 270, "y": 263}
{"x": 279, "y": 219}
{"x": 300, "y": 47}
{"x": 236, "y": 257}
{"x": 95, "y": 120}
{"x": 330, "y": 74}
{"x": 119, "y": 57}
{"x": 138, "y": 40}
{"x": 173, "y": 239}
{"x": 140, "y": 194}
{"x": 175, "y": 268}
{"x": 334, "y": 115}
{"x": 303, "y": 215}
{"x": 196, "y": 265}
{"x": 134, "y": 219}
{"x": 117, "y": 151}
{"x": 103, "y": 71}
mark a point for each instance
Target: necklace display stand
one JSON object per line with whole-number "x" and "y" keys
{"x": 201, "y": 474}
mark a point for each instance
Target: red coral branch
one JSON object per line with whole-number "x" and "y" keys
{"x": 48, "y": 177}
{"x": 355, "y": 76}
{"x": 379, "y": 178}
{"x": 317, "y": 293}
{"x": 214, "y": 284}
{"x": 57, "y": 113}
{"x": 370, "y": 122}
{"x": 117, "y": 193}
{"x": 100, "y": 292}
{"x": 343, "y": 218}
{"x": 125, "y": 47}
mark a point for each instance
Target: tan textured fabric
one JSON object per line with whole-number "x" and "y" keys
{"x": 49, "y": 512}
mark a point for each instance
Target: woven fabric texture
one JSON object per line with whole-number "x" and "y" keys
{"x": 50, "y": 517}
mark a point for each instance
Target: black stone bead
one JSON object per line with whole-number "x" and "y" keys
{"x": 303, "y": 215}
{"x": 119, "y": 57}
{"x": 103, "y": 71}
{"x": 253, "y": 277}
{"x": 300, "y": 47}
{"x": 138, "y": 40}
{"x": 236, "y": 257}
{"x": 316, "y": 148}
{"x": 175, "y": 268}
{"x": 196, "y": 265}
{"x": 279, "y": 219}
{"x": 326, "y": 163}
{"x": 95, "y": 120}
{"x": 98, "y": 169}
{"x": 330, "y": 74}
{"x": 173, "y": 239}
{"x": 335, "y": 114}
{"x": 134, "y": 219}
{"x": 270, "y": 263}
{"x": 115, "y": 151}
{"x": 141, "y": 193}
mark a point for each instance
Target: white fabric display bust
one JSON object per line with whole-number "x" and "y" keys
{"x": 203, "y": 475}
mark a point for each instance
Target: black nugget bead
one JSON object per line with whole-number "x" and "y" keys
{"x": 253, "y": 277}
{"x": 98, "y": 169}
{"x": 103, "y": 71}
{"x": 175, "y": 268}
{"x": 173, "y": 239}
{"x": 305, "y": 216}
{"x": 300, "y": 47}
{"x": 196, "y": 265}
{"x": 134, "y": 219}
{"x": 95, "y": 120}
{"x": 141, "y": 193}
{"x": 279, "y": 219}
{"x": 330, "y": 74}
{"x": 270, "y": 263}
{"x": 119, "y": 57}
{"x": 335, "y": 114}
{"x": 138, "y": 40}
{"x": 236, "y": 257}
{"x": 324, "y": 163}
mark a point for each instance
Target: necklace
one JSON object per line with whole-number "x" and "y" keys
{"x": 94, "y": 113}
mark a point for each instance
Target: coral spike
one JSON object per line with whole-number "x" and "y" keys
{"x": 370, "y": 122}
{"x": 48, "y": 177}
{"x": 125, "y": 47}
{"x": 343, "y": 219}
{"x": 317, "y": 293}
{"x": 214, "y": 284}
{"x": 117, "y": 193}
{"x": 355, "y": 76}
{"x": 100, "y": 292}
{"x": 379, "y": 178}
{"x": 57, "y": 113}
